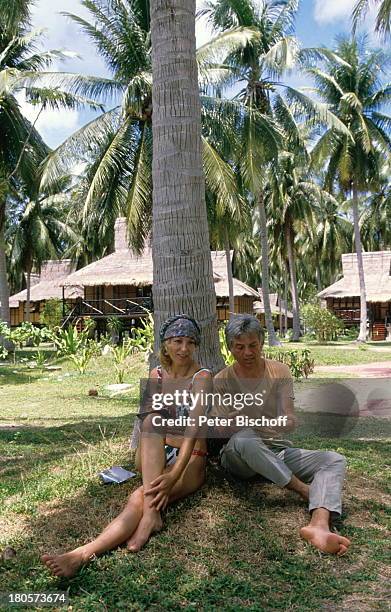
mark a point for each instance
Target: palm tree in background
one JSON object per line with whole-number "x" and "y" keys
{"x": 38, "y": 233}
{"x": 261, "y": 66}
{"x": 22, "y": 150}
{"x": 116, "y": 146}
{"x": 353, "y": 88}
{"x": 383, "y": 17}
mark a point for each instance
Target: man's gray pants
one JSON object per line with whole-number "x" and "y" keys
{"x": 246, "y": 455}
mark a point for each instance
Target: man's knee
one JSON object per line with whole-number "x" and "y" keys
{"x": 333, "y": 458}
{"x": 242, "y": 444}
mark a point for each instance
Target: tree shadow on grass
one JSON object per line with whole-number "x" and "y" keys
{"x": 29, "y": 447}
{"x": 231, "y": 545}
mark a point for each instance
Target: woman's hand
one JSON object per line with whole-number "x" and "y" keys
{"x": 160, "y": 490}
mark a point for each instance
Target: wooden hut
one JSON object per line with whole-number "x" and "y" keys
{"x": 343, "y": 296}
{"x": 44, "y": 286}
{"x": 120, "y": 284}
{"x": 282, "y": 317}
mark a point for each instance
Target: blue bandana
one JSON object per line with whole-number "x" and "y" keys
{"x": 180, "y": 326}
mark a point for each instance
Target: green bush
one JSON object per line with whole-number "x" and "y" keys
{"x": 141, "y": 339}
{"x": 322, "y": 322}
{"x": 52, "y": 313}
{"x": 299, "y": 362}
{"x": 26, "y": 333}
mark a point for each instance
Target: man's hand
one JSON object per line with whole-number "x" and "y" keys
{"x": 160, "y": 490}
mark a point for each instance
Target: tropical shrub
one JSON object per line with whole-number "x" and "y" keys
{"x": 322, "y": 322}
{"x": 300, "y": 362}
{"x": 120, "y": 356}
{"x": 141, "y": 339}
{"x": 115, "y": 327}
{"x": 52, "y": 313}
{"x": 227, "y": 356}
{"x": 26, "y": 333}
{"x": 82, "y": 358}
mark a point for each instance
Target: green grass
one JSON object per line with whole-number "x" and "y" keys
{"x": 231, "y": 546}
{"x": 344, "y": 353}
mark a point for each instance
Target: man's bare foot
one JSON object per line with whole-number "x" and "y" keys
{"x": 325, "y": 540}
{"x": 149, "y": 524}
{"x": 67, "y": 564}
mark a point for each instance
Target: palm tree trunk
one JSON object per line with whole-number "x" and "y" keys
{"x": 271, "y": 334}
{"x": 28, "y": 293}
{"x": 318, "y": 277}
{"x": 357, "y": 241}
{"x": 294, "y": 292}
{"x": 286, "y": 305}
{"x": 229, "y": 275}
{"x": 182, "y": 276}
{"x": 280, "y": 314}
{"x": 4, "y": 287}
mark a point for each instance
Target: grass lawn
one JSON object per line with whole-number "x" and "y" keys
{"x": 231, "y": 546}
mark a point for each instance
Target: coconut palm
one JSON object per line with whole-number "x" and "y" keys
{"x": 383, "y": 17}
{"x": 183, "y": 279}
{"x": 352, "y": 86}
{"x": 38, "y": 233}
{"x": 21, "y": 148}
{"x": 117, "y": 145}
{"x": 261, "y": 65}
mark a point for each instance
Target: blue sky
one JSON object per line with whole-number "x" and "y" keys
{"x": 318, "y": 22}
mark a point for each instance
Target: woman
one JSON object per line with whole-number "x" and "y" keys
{"x": 162, "y": 483}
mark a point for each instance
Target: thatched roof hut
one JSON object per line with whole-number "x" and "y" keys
{"x": 275, "y": 303}
{"x": 343, "y": 296}
{"x": 377, "y": 273}
{"x": 48, "y": 284}
{"x": 123, "y": 267}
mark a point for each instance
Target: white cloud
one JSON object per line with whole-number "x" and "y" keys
{"x": 328, "y": 11}
{"x": 54, "y": 126}
{"x": 332, "y": 11}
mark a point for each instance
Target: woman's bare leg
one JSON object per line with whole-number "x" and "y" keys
{"x": 192, "y": 479}
{"x": 117, "y": 532}
{"x": 153, "y": 460}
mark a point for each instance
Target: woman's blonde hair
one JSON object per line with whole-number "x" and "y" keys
{"x": 164, "y": 357}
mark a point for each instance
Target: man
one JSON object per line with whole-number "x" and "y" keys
{"x": 317, "y": 476}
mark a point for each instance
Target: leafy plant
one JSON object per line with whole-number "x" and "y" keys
{"x": 52, "y": 313}
{"x": 322, "y": 322}
{"x": 26, "y": 333}
{"x": 227, "y": 356}
{"x": 114, "y": 325}
{"x": 142, "y": 337}
{"x": 299, "y": 362}
{"x": 69, "y": 341}
{"x": 81, "y": 359}
{"x": 120, "y": 355}
{"x": 40, "y": 359}
{"x": 3, "y": 352}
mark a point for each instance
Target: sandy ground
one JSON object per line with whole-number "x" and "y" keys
{"x": 381, "y": 369}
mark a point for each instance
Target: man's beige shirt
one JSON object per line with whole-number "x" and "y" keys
{"x": 276, "y": 383}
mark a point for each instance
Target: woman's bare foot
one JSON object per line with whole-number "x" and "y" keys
{"x": 149, "y": 524}
{"x": 66, "y": 565}
{"x": 325, "y": 540}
